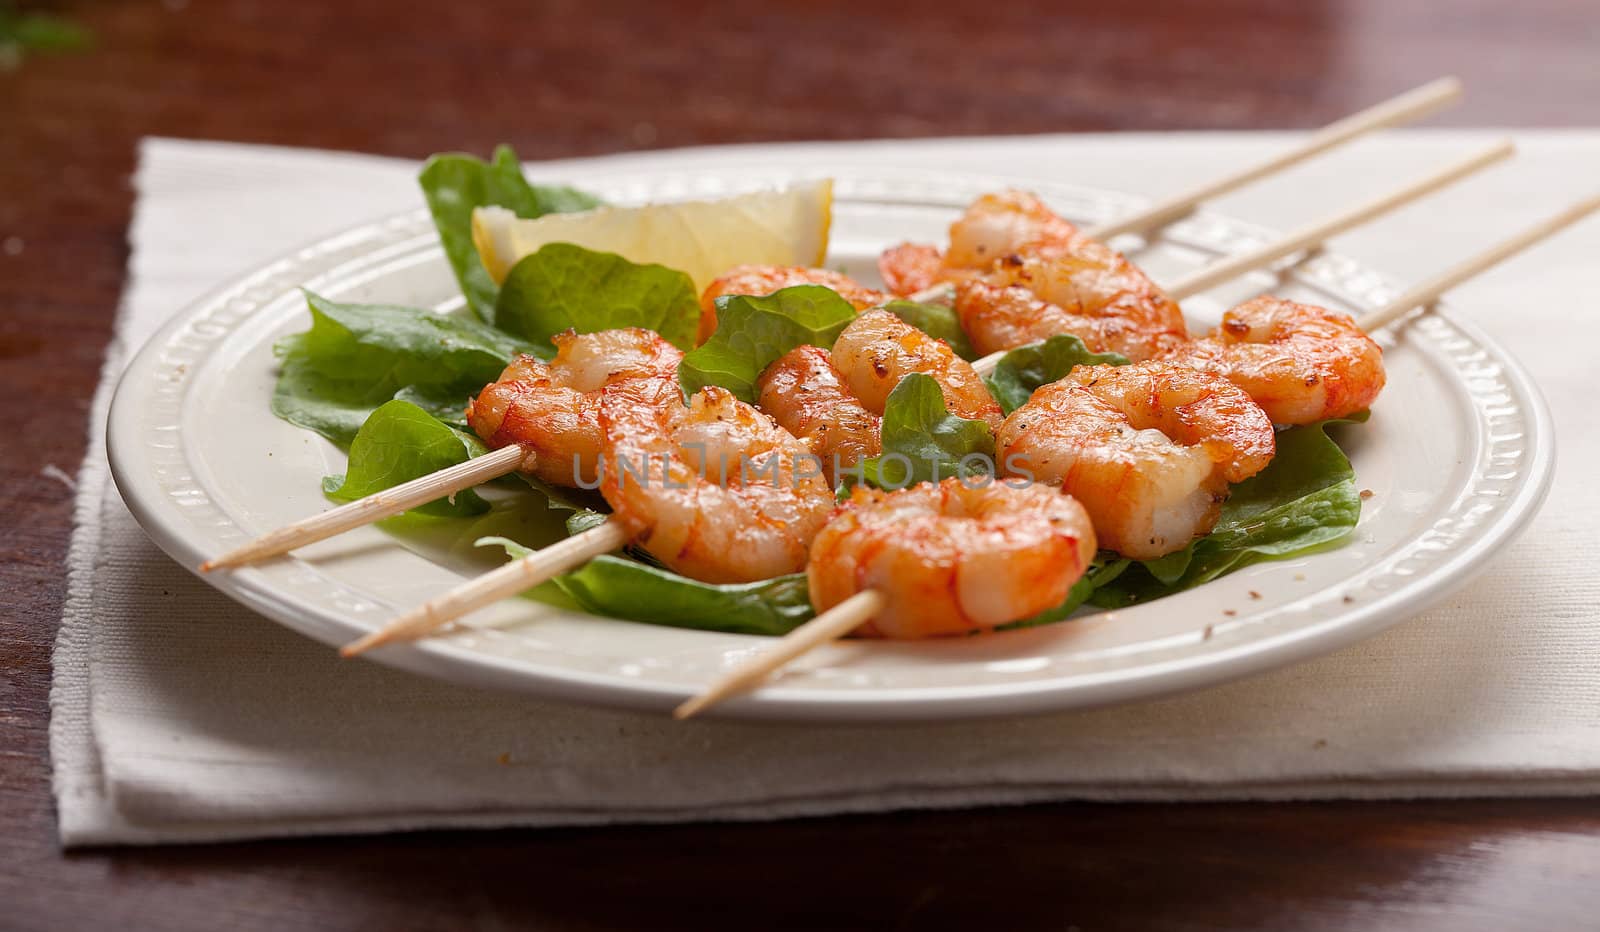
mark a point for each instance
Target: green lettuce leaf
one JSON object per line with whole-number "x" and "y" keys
{"x": 924, "y": 442}
{"x": 355, "y": 357}
{"x": 401, "y": 442}
{"x": 623, "y": 588}
{"x": 753, "y": 332}
{"x": 1306, "y": 499}
{"x": 1027, "y": 367}
{"x": 936, "y": 320}
{"x": 563, "y": 286}
{"x": 454, "y": 184}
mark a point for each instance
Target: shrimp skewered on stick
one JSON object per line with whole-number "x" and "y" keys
{"x": 1149, "y": 449}
{"x": 541, "y": 418}
{"x": 1023, "y": 274}
{"x": 858, "y": 608}
{"x": 931, "y": 561}
{"x": 713, "y": 490}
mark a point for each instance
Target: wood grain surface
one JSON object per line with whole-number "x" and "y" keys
{"x": 570, "y": 78}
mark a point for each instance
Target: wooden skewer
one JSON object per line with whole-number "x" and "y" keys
{"x": 1413, "y": 104}
{"x": 374, "y": 507}
{"x": 1427, "y": 292}
{"x": 515, "y": 577}
{"x": 847, "y": 615}
{"x": 933, "y": 293}
{"x": 1314, "y": 234}
{"x": 831, "y": 625}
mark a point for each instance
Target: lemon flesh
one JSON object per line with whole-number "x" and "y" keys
{"x": 703, "y": 239}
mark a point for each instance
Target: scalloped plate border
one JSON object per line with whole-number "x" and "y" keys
{"x": 1514, "y": 466}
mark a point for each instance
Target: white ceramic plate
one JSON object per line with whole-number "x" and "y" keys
{"x": 1457, "y": 455}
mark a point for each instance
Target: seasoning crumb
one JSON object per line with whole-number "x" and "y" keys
{"x": 1229, "y": 612}
{"x": 1254, "y": 594}
{"x": 504, "y": 758}
{"x": 1349, "y": 599}
{"x": 1300, "y": 577}
{"x": 1206, "y": 634}
{"x": 1320, "y": 744}
{"x": 1366, "y": 494}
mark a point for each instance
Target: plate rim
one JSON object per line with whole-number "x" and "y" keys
{"x": 441, "y": 659}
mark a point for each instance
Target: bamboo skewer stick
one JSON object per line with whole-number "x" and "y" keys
{"x": 1427, "y": 292}
{"x": 845, "y": 617}
{"x": 1413, "y": 104}
{"x": 933, "y": 293}
{"x": 1313, "y": 235}
{"x": 374, "y": 507}
{"x": 515, "y": 577}
{"x": 829, "y": 626}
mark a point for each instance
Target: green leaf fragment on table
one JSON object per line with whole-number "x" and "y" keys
{"x": 455, "y": 184}
{"x": 936, "y": 320}
{"x": 355, "y": 357}
{"x": 1026, "y": 368}
{"x": 623, "y": 588}
{"x": 37, "y": 32}
{"x": 924, "y": 442}
{"x": 1306, "y": 499}
{"x": 401, "y": 442}
{"x": 563, "y": 286}
{"x": 755, "y": 331}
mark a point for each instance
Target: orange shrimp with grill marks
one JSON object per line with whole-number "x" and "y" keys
{"x": 879, "y": 349}
{"x": 714, "y": 490}
{"x": 1149, "y": 449}
{"x": 951, "y": 558}
{"x": 552, "y": 409}
{"x": 1011, "y": 240}
{"x": 1301, "y": 363}
{"x": 804, "y": 393}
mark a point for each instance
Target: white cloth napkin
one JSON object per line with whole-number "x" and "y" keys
{"x": 180, "y": 716}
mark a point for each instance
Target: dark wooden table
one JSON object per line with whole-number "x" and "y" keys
{"x": 573, "y": 78}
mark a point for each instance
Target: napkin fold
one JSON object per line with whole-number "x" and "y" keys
{"x": 178, "y": 715}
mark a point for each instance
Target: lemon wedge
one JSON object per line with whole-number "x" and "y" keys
{"x": 703, "y": 239}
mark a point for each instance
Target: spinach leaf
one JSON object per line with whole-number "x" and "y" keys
{"x": 924, "y": 442}
{"x": 753, "y": 332}
{"x": 401, "y": 442}
{"x": 563, "y": 286}
{"x": 355, "y": 357}
{"x": 1027, "y": 367}
{"x": 454, "y": 184}
{"x": 623, "y": 588}
{"x": 1305, "y": 499}
{"x": 936, "y": 320}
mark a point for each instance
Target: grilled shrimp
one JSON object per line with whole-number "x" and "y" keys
{"x": 805, "y": 394}
{"x": 1001, "y": 317}
{"x": 552, "y": 408}
{"x": 1299, "y": 362}
{"x": 765, "y": 279}
{"x": 879, "y": 349}
{"x": 713, "y": 490}
{"x": 951, "y": 559}
{"x": 1149, "y": 449}
{"x": 1012, "y": 240}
